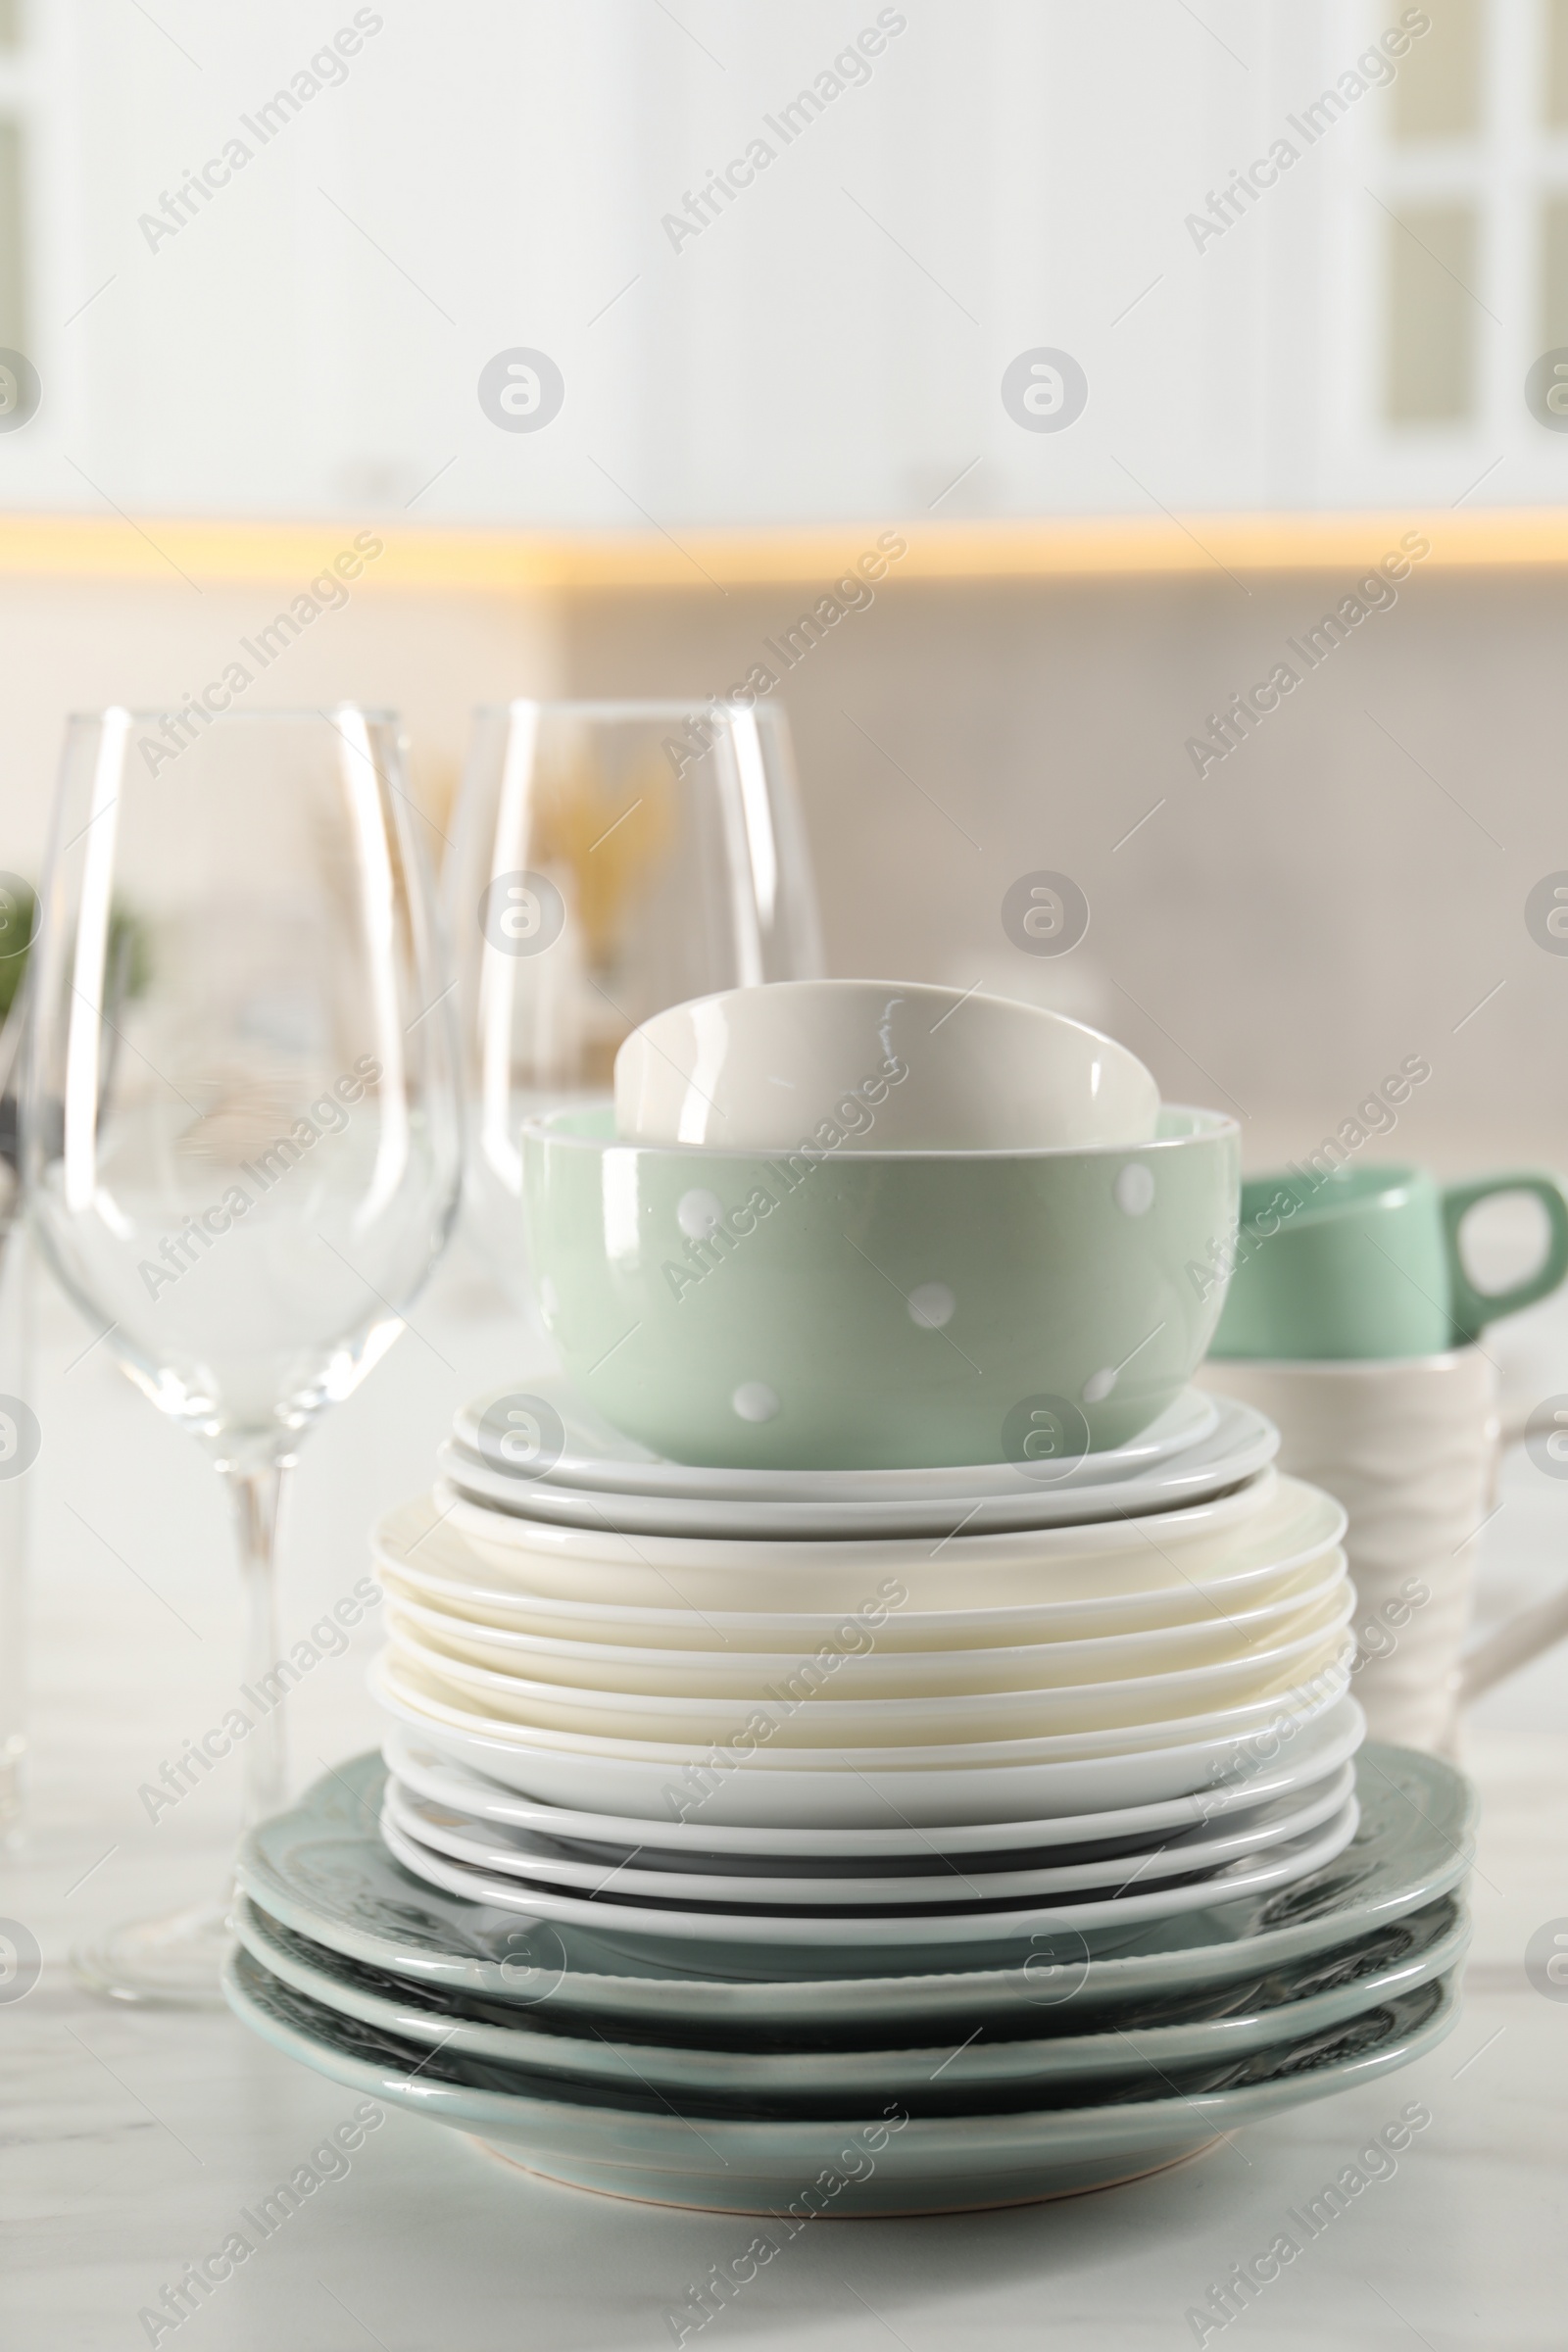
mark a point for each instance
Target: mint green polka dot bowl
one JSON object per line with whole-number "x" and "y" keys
{"x": 880, "y": 1310}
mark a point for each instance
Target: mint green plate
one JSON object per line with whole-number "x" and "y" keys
{"x": 871, "y": 2154}
{"x": 1226, "y": 2022}
{"x": 320, "y": 1869}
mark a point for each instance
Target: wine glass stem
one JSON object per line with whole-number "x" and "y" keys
{"x": 255, "y": 1491}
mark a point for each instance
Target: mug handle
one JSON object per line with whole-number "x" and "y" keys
{"x": 1524, "y": 1636}
{"x": 1474, "y": 1310}
{"x": 1514, "y": 1645}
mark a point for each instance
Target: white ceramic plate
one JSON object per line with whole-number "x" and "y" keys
{"x": 601, "y": 1459}
{"x": 1189, "y": 1481}
{"x": 518, "y": 1855}
{"x": 1314, "y": 1753}
{"x": 1235, "y": 1449}
{"x": 1071, "y": 1596}
{"x": 868, "y": 1673}
{"x": 321, "y": 1868}
{"x": 323, "y": 1871}
{"x": 1273, "y": 1524}
{"x": 807, "y": 1712}
{"x": 1084, "y": 1773}
{"x": 911, "y": 1932}
{"x": 759, "y": 1754}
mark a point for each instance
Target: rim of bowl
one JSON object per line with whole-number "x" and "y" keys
{"x": 260, "y": 713}
{"x": 542, "y": 1127}
{"x": 1365, "y": 1367}
{"x": 904, "y": 990}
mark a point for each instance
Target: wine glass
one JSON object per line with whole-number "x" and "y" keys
{"x": 240, "y": 1119}
{"x": 18, "y": 915}
{"x": 608, "y": 859}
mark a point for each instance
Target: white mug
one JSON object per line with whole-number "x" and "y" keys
{"x": 1410, "y": 1445}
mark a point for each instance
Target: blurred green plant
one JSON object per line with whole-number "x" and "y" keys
{"x": 19, "y": 921}
{"x": 129, "y": 954}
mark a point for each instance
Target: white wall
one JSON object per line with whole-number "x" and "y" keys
{"x": 1343, "y": 890}
{"x": 74, "y": 645}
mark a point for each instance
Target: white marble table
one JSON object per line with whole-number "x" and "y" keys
{"x": 130, "y": 2141}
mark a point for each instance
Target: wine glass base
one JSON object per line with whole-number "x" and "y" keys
{"x": 169, "y": 1963}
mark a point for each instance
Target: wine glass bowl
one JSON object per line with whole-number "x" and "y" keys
{"x": 235, "y": 1038}
{"x": 609, "y": 860}
{"x": 241, "y": 1119}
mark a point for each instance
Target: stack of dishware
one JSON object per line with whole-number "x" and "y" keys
{"x": 781, "y": 2080}
{"x": 859, "y": 1680}
{"x": 813, "y": 1780}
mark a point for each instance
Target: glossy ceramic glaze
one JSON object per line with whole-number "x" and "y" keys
{"x": 752, "y": 1783}
{"x": 1079, "y": 1593}
{"x": 1315, "y": 1754}
{"x": 1194, "y": 1852}
{"x": 1303, "y": 1997}
{"x": 872, "y": 1309}
{"x": 1269, "y": 1523}
{"x": 999, "y": 1495}
{"x": 321, "y": 1870}
{"x": 807, "y": 1709}
{"x": 853, "y": 1065}
{"x": 1365, "y": 1262}
{"x": 924, "y": 1937}
{"x": 590, "y": 1457}
{"x": 626, "y": 2142}
{"x": 863, "y": 1670}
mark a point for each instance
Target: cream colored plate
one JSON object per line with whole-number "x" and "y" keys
{"x": 1105, "y": 1592}
{"x": 859, "y": 1666}
{"x": 805, "y": 1711}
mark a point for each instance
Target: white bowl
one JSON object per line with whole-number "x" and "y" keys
{"x": 865, "y": 1671}
{"x": 857, "y": 1064}
{"x": 999, "y": 1781}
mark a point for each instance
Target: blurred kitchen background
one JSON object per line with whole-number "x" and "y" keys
{"x": 259, "y": 264}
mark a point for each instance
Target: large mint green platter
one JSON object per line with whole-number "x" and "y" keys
{"x": 321, "y": 1870}
{"x": 880, "y": 1310}
{"x": 919, "y": 2150}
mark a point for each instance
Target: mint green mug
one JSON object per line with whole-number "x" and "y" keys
{"x": 1365, "y": 1262}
